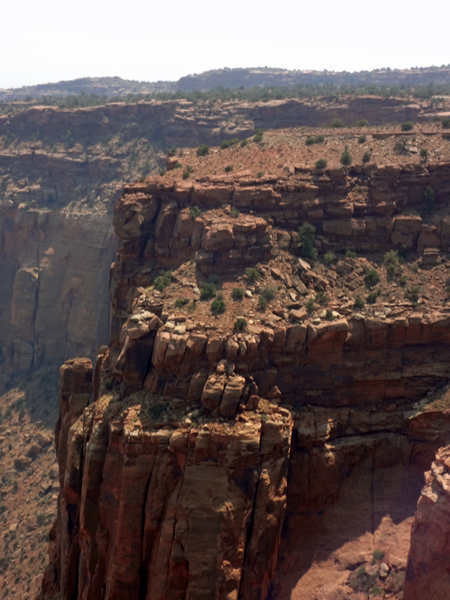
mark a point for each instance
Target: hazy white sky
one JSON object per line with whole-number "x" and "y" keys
{"x": 53, "y": 40}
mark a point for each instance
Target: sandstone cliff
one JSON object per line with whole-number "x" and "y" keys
{"x": 264, "y": 462}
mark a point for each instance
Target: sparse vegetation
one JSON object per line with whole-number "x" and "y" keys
{"x": 407, "y": 126}
{"x": 310, "y": 306}
{"x": 359, "y": 303}
{"x": 322, "y": 298}
{"x": 228, "y": 168}
{"x": 337, "y": 123}
{"x": 350, "y": 254}
{"x": 258, "y": 136}
{"x": 252, "y": 274}
{"x": 234, "y": 212}
{"x": 228, "y": 143}
{"x": 329, "y": 315}
{"x": 446, "y": 123}
{"x": 371, "y": 277}
{"x": 424, "y": 154}
{"x": 429, "y": 199}
{"x": 262, "y": 303}
{"x": 244, "y": 143}
{"x": 306, "y": 235}
{"x": 367, "y": 156}
{"x": 240, "y": 324}
{"x": 180, "y": 302}
{"x": 237, "y": 294}
{"x": 346, "y": 157}
{"x": 371, "y": 298}
{"x": 328, "y": 258}
{"x": 208, "y": 292}
{"x": 377, "y": 555}
{"x": 269, "y": 292}
{"x": 321, "y": 164}
{"x": 162, "y": 281}
{"x": 362, "y": 139}
{"x": 260, "y": 174}
{"x": 194, "y": 212}
{"x": 412, "y": 294}
{"x": 202, "y": 150}
{"x": 218, "y": 306}
{"x": 362, "y": 123}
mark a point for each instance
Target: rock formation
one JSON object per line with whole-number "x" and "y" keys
{"x": 214, "y": 461}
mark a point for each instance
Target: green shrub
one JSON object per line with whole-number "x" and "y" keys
{"x": 69, "y": 141}
{"x": 218, "y": 306}
{"x": 350, "y": 254}
{"x": 377, "y": 555}
{"x": 362, "y": 139}
{"x": 240, "y": 323}
{"x": 371, "y": 277}
{"x": 310, "y": 306}
{"x": 424, "y": 154}
{"x": 367, "y": 156}
{"x": 321, "y": 164}
{"x": 402, "y": 281}
{"x": 234, "y": 212}
{"x": 310, "y": 141}
{"x": 412, "y": 294}
{"x": 172, "y": 152}
{"x": 194, "y": 212}
{"x": 362, "y": 123}
{"x": 429, "y": 198}
{"x": 180, "y": 302}
{"x": 407, "y": 126}
{"x": 186, "y": 174}
{"x": 258, "y": 136}
{"x": 202, "y": 150}
{"x": 362, "y": 581}
{"x": 259, "y": 174}
{"x": 228, "y": 143}
{"x": 237, "y": 294}
{"x": 328, "y": 258}
{"x": 228, "y": 168}
{"x": 337, "y": 123}
{"x": 359, "y": 303}
{"x": 156, "y": 410}
{"x": 269, "y": 292}
{"x": 446, "y": 123}
{"x": 162, "y": 281}
{"x": 244, "y": 143}
{"x": 162, "y": 172}
{"x": 376, "y": 591}
{"x": 252, "y": 274}
{"x": 346, "y": 157}
{"x": 322, "y": 298}
{"x": 320, "y": 139}
{"x": 177, "y": 165}
{"x": 371, "y": 298}
{"x": 329, "y": 315}
{"x": 208, "y": 292}
{"x": 306, "y": 235}
{"x": 391, "y": 257}
{"x": 262, "y": 303}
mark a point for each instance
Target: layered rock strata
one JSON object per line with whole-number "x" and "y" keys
{"x": 206, "y": 455}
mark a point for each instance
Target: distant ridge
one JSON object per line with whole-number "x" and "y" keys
{"x": 230, "y": 78}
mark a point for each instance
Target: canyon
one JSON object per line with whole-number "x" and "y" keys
{"x": 278, "y": 458}
{"x": 254, "y": 450}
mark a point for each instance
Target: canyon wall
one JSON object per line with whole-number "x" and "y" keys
{"x": 213, "y": 463}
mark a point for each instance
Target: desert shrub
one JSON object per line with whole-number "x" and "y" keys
{"x": 402, "y": 281}
{"x": 424, "y": 154}
{"x": 259, "y": 174}
{"x": 346, "y": 157}
{"x": 329, "y": 315}
{"x": 446, "y": 123}
{"x": 218, "y": 306}
{"x": 262, "y": 303}
{"x": 156, "y": 410}
{"x": 377, "y": 555}
{"x": 328, "y": 258}
{"x": 362, "y": 139}
{"x": 412, "y": 294}
{"x": 202, "y": 150}
{"x": 234, "y": 212}
{"x": 228, "y": 143}
{"x": 237, "y": 294}
{"x": 252, "y": 274}
{"x": 367, "y": 156}
{"x": 371, "y": 277}
{"x": 359, "y": 303}
{"x": 321, "y": 164}
{"x": 172, "y": 152}
{"x": 208, "y": 292}
{"x": 162, "y": 281}
{"x": 244, "y": 143}
{"x": 322, "y": 298}
{"x": 186, "y": 174}
{"x": 376, "y": 590}
{"x": 306, "y": 235}
{"x": 177, "y": 165}
{"x": 228, "y": 168}
{"x": 391, "y": 257}
{"x": 320, "y": 139}
{"x": 310, "y": 141}
{"x": 180, "y": 302}
{"x": 407, "y": 126}
{"x": 429, "y": 198}
{"x": 337, "y": 123}
{"x": 310, "y": 306}
{"x": 350, "y": 254}
{"x": 69, "y": 141}
{"x": 258, "y": 136}
{"x": 362, "y": 123}
{"x": 371, "y": 298}
{"x": 194, "y": 212}
{"x": 362, "y": 581}
{"x": 240, "y": 323}
{"x": 162, "y": 172}
{"x": 269, "y": 292}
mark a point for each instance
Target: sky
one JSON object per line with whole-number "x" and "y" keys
{"x": 48, "y": 40}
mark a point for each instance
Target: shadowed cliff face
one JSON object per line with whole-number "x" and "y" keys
{"x": 267, "y": 462}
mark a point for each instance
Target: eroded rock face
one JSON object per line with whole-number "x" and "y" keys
{"x": 428, "y": 570}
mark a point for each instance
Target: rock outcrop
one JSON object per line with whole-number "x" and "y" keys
{"x": 428, "y": 570}
{"x": 208, "y": 452}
